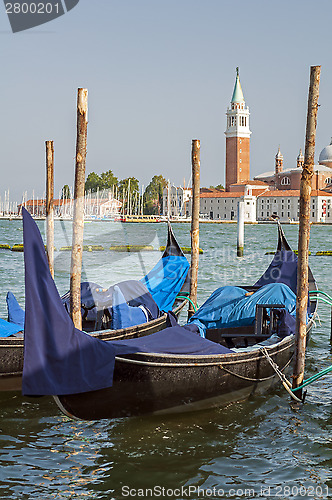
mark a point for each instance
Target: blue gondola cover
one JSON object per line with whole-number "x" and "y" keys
{"x": 15, "y": 311}
{"x": 165, "y": 280}
{"x": 230, "y": 306}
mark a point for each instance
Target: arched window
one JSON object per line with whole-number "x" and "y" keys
{"x": 285, "y": 181}
{"x": 328, "y": 180}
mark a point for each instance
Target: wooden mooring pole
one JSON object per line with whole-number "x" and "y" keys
{"x": 78, "y": 219}
{"x": 49, "y": 205}
{"x": 304, "y": 231}
{"x": 196, "y": 165}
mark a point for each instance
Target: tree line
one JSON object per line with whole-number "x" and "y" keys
{"x": 125, "y": 190}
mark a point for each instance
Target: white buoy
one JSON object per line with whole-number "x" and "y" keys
{"x": 240, "y": 228}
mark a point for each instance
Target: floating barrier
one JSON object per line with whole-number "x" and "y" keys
{"x": 5, "y": 247}
{"x": 17, "y": 248}
{"x": 131, "y": 248}
{"x": 93, "y": 248}
{"x": 326, "y": 252}
{"x": 185, "y": 250}
{"x": 87, "y": 248}
{"x": 295, "y": 251}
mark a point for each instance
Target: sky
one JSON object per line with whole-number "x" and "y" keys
{"x": 159, "y": 74}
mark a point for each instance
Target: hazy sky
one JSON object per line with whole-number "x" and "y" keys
{"x": 160, "y": 73}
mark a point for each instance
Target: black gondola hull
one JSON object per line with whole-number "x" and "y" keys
{"x": 145, "y": 383}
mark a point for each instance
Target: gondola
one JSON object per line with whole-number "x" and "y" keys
{"x": 12, "y": 347}
{"x": 176, "y": 370}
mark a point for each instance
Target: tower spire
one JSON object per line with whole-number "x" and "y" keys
{"x": 300, "y": 159}
{"x": 279, "y": 162}
{"x": 237, "y": 93}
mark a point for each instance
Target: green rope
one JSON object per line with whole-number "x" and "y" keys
{"x": 313, "y": 378}
{"x": 191, "y": 302}
{"x": 329, "y": 302}
{"x": 312, "y": 292}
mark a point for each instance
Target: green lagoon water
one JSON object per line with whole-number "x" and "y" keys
{"x": 260, "y": 448}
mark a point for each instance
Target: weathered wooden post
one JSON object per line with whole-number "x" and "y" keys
{"x": 304, "y": 231}
{"x": 240, "y": 228}
{"x": 49, "y": 204}
{"x": 196, "y": 165}
{"x": 78, "y": 219}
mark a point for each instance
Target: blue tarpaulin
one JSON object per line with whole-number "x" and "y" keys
{"x": 7, "y": 328}
{"x": 230, "y": 307}
{"x": 15, "y": 321}
{"x": 15, "y": 311}
{"x": 94, "y": 298}
{"x": 165, "y": 280}
{"x": 124, "y": 315}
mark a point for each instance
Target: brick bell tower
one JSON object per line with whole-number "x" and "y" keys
{"x": 237, "y": 138}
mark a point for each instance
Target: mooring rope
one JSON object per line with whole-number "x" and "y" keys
{"x": 313, "y": 378}
{"x": 191, "y": 302}
{"x": 285, "y": 382}
{"x": 314, "y": 292}
{"x": 249, "y": 379}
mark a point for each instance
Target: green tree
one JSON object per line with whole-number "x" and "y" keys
{"x": 124, "y": 183}
{"x": 153, "y": 195}
{"x": 65, "y": 192}
{"x": 93, "y": 182}
{"x": 219, "y": 186}
{"x": 108, "y": 180}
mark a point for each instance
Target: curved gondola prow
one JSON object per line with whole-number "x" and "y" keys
{"x": 172, "y": 246}
{"x": 283, "y": 267}
{"x": 284, "y": 245}
{"x": 282, "y": 242}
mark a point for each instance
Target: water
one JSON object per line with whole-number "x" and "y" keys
{"x": 261, "y": 448}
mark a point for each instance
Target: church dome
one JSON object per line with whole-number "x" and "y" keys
{"x": 325, "y": 157}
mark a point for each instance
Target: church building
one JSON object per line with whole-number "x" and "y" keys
{"x": 272, "y": 194}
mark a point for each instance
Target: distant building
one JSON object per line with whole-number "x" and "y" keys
{"x": 285, "y": 204}
{"x": 176, "y": 201}
{"x": 290, "y": 178}
{"x": 222, "y": 205}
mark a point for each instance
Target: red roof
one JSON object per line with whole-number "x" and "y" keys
{"x": 221, "y": 194}
{"x": 251, "y": 183}
{"x": 291, "y": 192}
